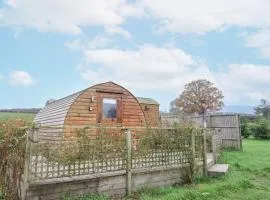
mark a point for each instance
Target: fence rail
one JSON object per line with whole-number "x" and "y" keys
{"x": 112, "y": 150}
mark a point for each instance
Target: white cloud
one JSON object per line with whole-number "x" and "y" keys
{"x": 199, "y": 17}
{"x": 245, "y": 83}
{"x": 11, "y": 3}
{"x": 99, "y": 41}
{"x": 147, "y": 68}
{"x": 75, "y": 45}
{"x": 144, "y": 63}
{"x": 20, "y": 78}
{"x": 193, "y": 16}
{"x": 260, "y": 40}
{"x": 67, "y": 16}
{"x": 168, "y": 69}
{"x": 118, "y": 30}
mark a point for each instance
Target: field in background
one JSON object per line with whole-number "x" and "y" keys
{"x": 14, "y": 116}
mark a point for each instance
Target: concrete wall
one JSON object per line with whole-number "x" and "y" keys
{"x": 111, "y": 184}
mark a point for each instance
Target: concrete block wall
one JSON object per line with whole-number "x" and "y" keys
{"x": 111, "y": 184}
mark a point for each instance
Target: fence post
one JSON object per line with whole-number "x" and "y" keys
{"x": 25, "y": 176}
{"x": 193, "y": 155}
{"x": 204, "y": 154}
{"x": 128, "y": 161}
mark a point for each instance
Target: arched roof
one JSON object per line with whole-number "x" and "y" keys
{"x": 149, "y": 101}
{"x": 54, "y": 114}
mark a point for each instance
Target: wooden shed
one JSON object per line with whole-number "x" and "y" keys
{"x": 105, "y": 104}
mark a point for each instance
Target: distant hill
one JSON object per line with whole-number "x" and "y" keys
{"x": 21, "y": 110}
{"x": 245, "y": 109}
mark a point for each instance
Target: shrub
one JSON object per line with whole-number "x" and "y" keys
{"x": 259, "y": 129}
{"x": 244, "y": 129}
{"x": 12, "y": 156}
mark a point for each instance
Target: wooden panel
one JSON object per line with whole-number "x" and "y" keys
{"x": 226, "y": 126}
{"x": 130, "y": 112}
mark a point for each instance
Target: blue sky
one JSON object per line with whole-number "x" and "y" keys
{"x": 52, "y": 48}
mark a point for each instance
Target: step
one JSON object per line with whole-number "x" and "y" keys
{"x": 218, "y": 170}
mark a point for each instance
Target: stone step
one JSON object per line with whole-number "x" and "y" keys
{"x": 218, "y": 170}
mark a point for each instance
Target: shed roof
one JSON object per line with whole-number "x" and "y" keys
{"x": 54, "y": 114}
{"x": 147, "y": 101}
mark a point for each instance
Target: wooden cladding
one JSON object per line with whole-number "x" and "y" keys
{"x": 151, "y": 113}
{"x": 128, "y": 112}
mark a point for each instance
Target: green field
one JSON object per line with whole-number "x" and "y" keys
{"x": 248, "y": 179}
{"x": 14, "y": 116}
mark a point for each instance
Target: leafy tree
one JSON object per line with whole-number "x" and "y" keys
{"x": 190, "y": 100}
{"x": 263, "y": 109}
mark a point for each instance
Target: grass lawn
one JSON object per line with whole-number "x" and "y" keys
{"x": 248, "y": 179}
{"x": 9, "y": 115}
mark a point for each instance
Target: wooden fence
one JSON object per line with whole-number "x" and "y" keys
{"x": 118, "y": 151}
{"x": 226, "y": 126}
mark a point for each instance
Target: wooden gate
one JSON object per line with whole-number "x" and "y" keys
{"x": 226, "y": 126}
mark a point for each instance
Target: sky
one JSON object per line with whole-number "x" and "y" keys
{"x": 52, "y": 48}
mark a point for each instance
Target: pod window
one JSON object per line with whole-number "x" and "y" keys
{"x": 109, "y": 108}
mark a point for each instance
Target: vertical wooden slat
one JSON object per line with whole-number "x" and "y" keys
{"x": 204, "y": 154}
{"x": 239, "y": 131}
{"x": 193, "y": 154}
{"x": 128, "y": 162}
{"x": 42, "y": 166}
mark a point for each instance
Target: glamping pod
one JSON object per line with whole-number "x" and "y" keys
{"x": 106, "y": 104}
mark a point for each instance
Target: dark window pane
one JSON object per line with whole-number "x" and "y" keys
{"x": 109, "y": 108}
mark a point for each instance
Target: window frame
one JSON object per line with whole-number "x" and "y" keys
{"x": 100, "y": 117}
{"x": 102, "y": 110}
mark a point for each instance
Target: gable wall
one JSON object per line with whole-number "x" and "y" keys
{"x": 152, "y": 116}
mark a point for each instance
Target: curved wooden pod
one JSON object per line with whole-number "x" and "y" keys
{"x": 87, "y": 108}
{"x": 84, "y": 109}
